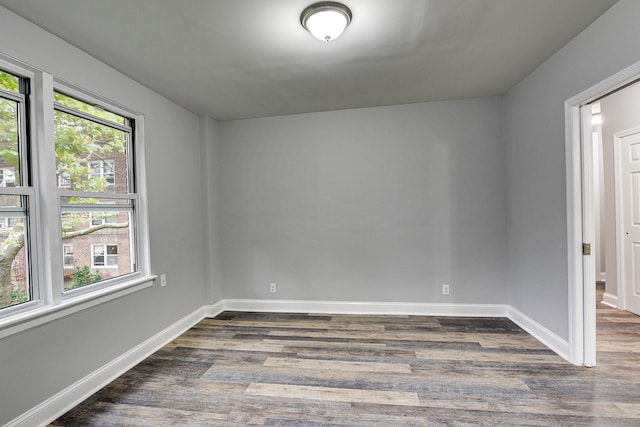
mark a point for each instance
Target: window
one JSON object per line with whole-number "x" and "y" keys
{"x": 85, "y": 241}
{"x": 67, "y": 257}
{"x": 104, "y": 256}
{"x": 64, "y": 180}
{"x": 8, "y": 176}
{"x": 99, "y": 218}
{"x": 96, "y": 190}
{"x": 15, "y": 192}
{"x": 7, "y": 222}
{"x": 103, "y": 171}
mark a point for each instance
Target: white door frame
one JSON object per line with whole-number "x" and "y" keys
{"x": 582, "y": 311}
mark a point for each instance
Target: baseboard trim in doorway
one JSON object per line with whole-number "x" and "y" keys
{"x": 610, "y": 300}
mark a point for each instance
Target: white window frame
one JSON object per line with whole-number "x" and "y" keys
{"x": 49, "y": 301}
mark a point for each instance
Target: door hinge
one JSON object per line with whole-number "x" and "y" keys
{"x": 586, "y": 249}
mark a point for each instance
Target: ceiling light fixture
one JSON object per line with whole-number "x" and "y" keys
{"x": 326, "y": 20}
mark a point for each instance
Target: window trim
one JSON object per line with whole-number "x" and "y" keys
{"x": 42, "y": 314}
{"x": 45, "y": 255}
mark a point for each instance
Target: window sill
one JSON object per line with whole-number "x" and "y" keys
{"x": 28, "y": 319}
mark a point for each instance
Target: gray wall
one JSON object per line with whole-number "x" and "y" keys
{"x": 40, "y": 362}
{"x": 535, "y": 158}
{"x": 378, "y": 204}
{"x": 620, "y": 112}
{"x": 210, "y": 162}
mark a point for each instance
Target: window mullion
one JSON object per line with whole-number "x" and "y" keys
{"x": 44, "y": 157}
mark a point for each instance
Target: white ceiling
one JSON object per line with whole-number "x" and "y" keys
{"x": 232, "y": 59}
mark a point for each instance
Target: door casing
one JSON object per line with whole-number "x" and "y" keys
{"x": 581, "y": 310}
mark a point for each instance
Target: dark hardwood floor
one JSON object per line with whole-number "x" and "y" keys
{"x": 325, "y": 370}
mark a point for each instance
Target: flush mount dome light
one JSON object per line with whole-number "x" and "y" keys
{"x": 326, "y": 20}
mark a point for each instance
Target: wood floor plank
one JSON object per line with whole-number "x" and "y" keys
{"x": 337, "y": 365}
{"x": 502, "y": 357}
{"x": 632, "y": 409}
{"x": 334, "y": 394}
{"x": 329, "y": 344}
{"x": 347, "y": 326}
{"x": 225, "y": 344}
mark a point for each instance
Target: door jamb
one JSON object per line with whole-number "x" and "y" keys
{"x": 581, "y": 345}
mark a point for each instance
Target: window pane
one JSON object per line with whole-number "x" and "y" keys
{"x": 14, "y": 272}
{"x": 9, "y": 137}
{"x": 90, "y": 156}
{"x": 68, "y": 260}
{"x": 94, "y": 110}
{"x": 11, "y": 202}
{"x": 101, "y": 251}
{"x": 15, "y": 286}
{"x": 9, "y": 82}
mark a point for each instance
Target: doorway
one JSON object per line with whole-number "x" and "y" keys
{"x": 582, "y": 217}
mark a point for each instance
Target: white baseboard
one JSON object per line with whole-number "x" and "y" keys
{"x": 347, "y": 307}
{"x": 610, "y": 300}
{"x": 214, "y": 310}
{"x": 66, "y": 399}
{"x": 539, "y": 332}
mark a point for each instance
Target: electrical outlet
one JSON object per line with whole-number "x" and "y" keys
{"x": 445, "y": 289}
{"x": 163, "y": 280}
{"x": 272, "y": 288}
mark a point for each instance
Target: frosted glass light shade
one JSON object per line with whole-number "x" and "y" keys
{"x": 326, "y": 20}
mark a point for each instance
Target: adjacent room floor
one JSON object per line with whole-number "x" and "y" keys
{"x": 345, "y": 370}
